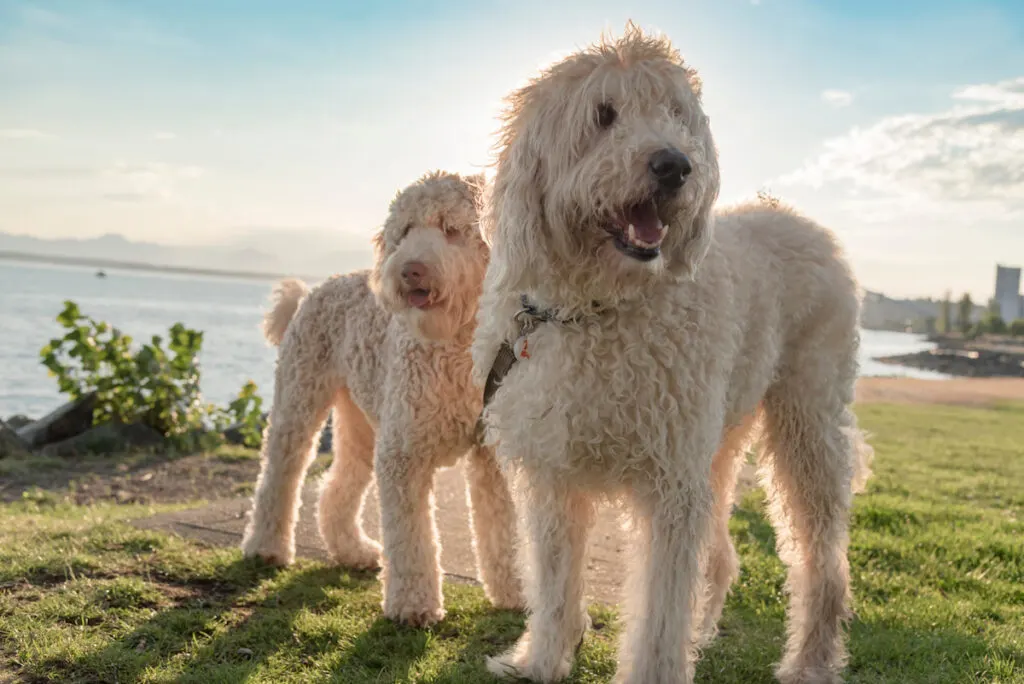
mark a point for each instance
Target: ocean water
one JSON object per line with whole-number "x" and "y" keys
{"x": 228, "y": 311}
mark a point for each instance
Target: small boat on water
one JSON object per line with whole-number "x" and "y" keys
{"x": 101, "y": 273}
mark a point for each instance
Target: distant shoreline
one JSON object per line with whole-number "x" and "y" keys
{"x": 146, "y": 267}
{"x": 992, "y": 357}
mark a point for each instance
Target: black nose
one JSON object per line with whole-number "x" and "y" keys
{"x": 670, "y": 167}
{"x": 414, "y": 273}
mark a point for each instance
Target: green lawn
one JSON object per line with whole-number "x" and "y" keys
{"x": 937, "y": 557}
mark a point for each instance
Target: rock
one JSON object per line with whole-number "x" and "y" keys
{"x": 964, "y": 363}
{"x": 18, "y": 421}
{"x": 69, "y": 420}
{"x": 109, "y": 438}
{"x": 10, "y": 443}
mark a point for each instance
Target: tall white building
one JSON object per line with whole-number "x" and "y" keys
{"x": 1008, "y": 296}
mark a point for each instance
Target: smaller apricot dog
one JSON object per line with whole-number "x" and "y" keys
{"x": 388, "y": 350}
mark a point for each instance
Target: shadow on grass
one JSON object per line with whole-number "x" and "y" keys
{"x": 316, "y": 624}
{"x": 196, "y": 606}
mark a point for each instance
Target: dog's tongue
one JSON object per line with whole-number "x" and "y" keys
{"x": 646, "y": 224}
{"x": 418, "y": 298}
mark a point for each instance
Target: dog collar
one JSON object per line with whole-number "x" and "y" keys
{"x": 528, "y": 317}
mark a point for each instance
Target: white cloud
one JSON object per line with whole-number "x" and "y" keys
{"x": 23, "y": 134}
{"x": 973, "y": 153}
{"x": 1006, "y": 93}
{"x": 837, "y": 98}
{"x": 164, "y": 135}
{"x": 149, "y": 181}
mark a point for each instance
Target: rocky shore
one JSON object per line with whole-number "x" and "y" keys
{"x": 955, "y": 356}
{"x": 68, "y": 431}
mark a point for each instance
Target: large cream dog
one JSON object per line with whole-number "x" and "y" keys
{"x": 388, "y": 350}
{"x": 652, "y": 336}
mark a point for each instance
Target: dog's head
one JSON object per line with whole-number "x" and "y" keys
{"x": 430, "y": 257}
{"x": 606, "y": 175}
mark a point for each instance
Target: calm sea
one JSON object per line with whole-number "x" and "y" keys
{"x": 227, "y": 310}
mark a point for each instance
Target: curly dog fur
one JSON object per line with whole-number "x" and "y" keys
{"x": 388, "y": 350}
{"x": 678, "y": 332}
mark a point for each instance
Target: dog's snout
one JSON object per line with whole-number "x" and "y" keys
{"x": 414, "y": 273}
{"x": 670, "y": 167}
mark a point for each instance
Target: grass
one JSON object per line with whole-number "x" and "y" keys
{"x": 937, "y": 560}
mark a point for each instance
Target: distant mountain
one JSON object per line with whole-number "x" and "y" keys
{"x": 310, "y": 253}
{"x": 315, "y": 254}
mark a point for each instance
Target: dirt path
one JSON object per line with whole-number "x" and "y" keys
{"x": 958, "y": 391}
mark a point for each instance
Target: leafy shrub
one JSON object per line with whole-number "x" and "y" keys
{"x": 1017, "y": 328}
{"x": 993, "y": 324}
{"x": 147, "y": 384}
{"x": 247, "y": 410}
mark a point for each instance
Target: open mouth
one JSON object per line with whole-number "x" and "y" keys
{"x": 419, "y": 298}
{"x": 638, "y": 230}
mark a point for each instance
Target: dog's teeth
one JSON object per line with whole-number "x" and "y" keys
{"x": 631, "y": 237}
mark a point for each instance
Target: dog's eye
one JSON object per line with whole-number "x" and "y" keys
{"x": 606, "y": 114}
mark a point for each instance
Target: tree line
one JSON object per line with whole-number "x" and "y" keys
{"x": 990, "y": 323}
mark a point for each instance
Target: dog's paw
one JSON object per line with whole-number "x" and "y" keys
{"x": 417, "y": 606}
{"x": 511, "y": 668}
{"x": 278, "y": 554}
{"x": 415, "y": 616}
{"x": 364, "y": 555}
{"x": 526, "y": 663}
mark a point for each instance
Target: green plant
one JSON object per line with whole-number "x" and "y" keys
{"x": 147, "y": 383}
{"x": 1017, "y": 328}
{"x": 247, "y": 410}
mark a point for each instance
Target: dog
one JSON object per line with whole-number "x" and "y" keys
{"x": 388, "y": 351}
{"x": 650, "y": 338}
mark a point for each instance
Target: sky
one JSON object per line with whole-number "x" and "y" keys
{"x": 900, "y": 125}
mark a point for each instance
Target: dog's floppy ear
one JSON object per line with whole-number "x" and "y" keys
{"x": 696, "y": 241}
{"x": 477, "y": 185}
{"x": 379, "y": 245}
{"x": 513, "y": 221}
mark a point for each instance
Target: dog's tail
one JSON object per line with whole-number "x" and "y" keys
{"x": 288, "y": 295}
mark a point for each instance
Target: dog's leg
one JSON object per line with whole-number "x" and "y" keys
{"x": 657, "y": 647}
{"x": 558, "y": 520}
{"x": 723, "y": 564}
{"x": 339, "y": 510}
{"x": 808, "y": 471}
{"x": 289, "y": 446}
{"x": 493, "y": 519}
{"x": 412, "y": 553}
